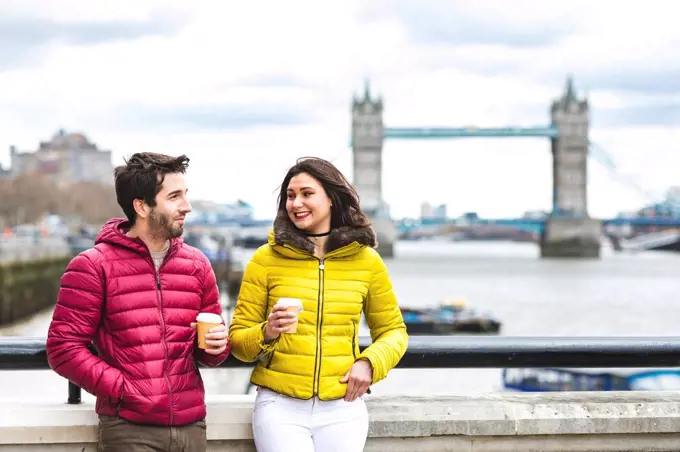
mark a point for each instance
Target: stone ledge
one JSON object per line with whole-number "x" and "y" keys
{"x": 581, "y": 421}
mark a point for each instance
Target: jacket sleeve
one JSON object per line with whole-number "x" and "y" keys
{"x": 74, "y": 324}
{"x": 384, "y": 319}
{"x": 246, "y": 331}
{"x": 210, "y": 302}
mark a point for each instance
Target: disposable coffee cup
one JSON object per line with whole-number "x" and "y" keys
{"x": 291, "y": 305}
{"x": 205, "y": 321}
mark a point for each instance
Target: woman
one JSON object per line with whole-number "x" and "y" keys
{"x": 321, "y": 251}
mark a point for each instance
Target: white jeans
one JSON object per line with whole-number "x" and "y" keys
{"x": 286, "y": 424}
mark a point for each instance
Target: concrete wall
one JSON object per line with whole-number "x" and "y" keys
{"x": 564, "y": 422}
{"x": 571, "y": 238}
{"x": 386, "y": 233}
{"x": 29, "y": 286}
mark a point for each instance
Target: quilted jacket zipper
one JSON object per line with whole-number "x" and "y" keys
{"x": 165, "y": 344}
{"x": 159, "y": 294}
{"x": 319, "y": 324}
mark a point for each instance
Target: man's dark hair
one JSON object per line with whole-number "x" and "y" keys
{"x": 142, "y": 176}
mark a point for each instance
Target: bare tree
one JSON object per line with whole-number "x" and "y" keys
{"x": 28, "y": 198}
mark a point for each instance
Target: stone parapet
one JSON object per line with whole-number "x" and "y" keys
{"x": 498, "y": 422}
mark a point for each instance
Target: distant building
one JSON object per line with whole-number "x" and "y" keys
{"x": 668, "y": 207}
{"x": 212, "y": 213}
{"x": 428, "y": 211}
{"x": 67, "y": 158}
{"x": 5, "y": 173}
{"x": 535, "y": 215}
{"x": 673, "y": 199}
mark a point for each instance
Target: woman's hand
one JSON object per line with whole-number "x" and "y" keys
{"x": 278, "y": 322}
{"x": 358, "y": 379}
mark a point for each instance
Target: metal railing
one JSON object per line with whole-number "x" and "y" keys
{"x": 437, "y": 352}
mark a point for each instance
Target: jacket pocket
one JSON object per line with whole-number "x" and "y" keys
{"x": 110, "y": 421}
{"x": 201, "y": 423}
{"x": 119, "y": 402}
{"x": 269, "y": 360}
{"x": 355, "y": 346}
{"x": 117, "y": 399}
{"x": 197, "y": 379}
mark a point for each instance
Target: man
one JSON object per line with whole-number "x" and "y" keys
{"x": 135, "y": 296}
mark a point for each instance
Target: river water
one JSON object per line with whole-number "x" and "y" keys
{"x": 619, "y": 295}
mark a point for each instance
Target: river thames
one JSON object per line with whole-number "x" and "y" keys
{"x": 621, "y": 294}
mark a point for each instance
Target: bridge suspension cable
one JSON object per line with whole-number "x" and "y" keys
{"x": 605, "y": 159}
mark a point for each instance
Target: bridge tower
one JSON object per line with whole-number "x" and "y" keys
{"x": 367, "y": 143}
{"x": 569, "y": 231}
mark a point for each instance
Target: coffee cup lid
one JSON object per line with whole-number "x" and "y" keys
{"x": 209, "y": 317}
{"x": 289, "y": 302}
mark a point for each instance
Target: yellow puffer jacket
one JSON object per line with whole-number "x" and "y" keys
{"x": 334, "y": 290}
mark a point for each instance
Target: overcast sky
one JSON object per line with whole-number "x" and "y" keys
{"x": 246, "y": 87}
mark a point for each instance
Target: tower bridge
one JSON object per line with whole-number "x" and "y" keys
{"x": 568, "y": 232}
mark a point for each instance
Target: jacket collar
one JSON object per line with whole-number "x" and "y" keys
{"x": 342, "y": 238}
{"x": 114, "y": 232}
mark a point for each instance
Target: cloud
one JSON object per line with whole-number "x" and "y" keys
{"x": 269, "y": 100}
{"x": 542, "y": 41}
{"x": 432, "y": 22}
{"x": 662, "y": 81}
{"x": 605, "y": 114}
{"x": 23, "y": 37}
{"x": 269, "y": 85}
{"x": 218, "y": 117}
{"x": 275, "y": 80}
{"x": 659, "y": 115}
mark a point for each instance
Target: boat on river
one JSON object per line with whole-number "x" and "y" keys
{"x": 451, "y": 316}
{"x": 567, "y": 379}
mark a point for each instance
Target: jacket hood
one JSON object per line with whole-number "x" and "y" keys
{"x": 113, "y": 232}
{"x": 285, "y": 233}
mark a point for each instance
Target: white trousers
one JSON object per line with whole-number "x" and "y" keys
{"x": 286, "y": 424}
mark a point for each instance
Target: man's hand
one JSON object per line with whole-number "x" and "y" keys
{"x": 216, "y": 338}
{"x": 358, "y": 379}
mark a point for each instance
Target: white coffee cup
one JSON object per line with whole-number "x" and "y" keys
{"x": 291, "y": 305}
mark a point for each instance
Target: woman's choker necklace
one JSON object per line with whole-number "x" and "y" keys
{"x": 317, "y": 235}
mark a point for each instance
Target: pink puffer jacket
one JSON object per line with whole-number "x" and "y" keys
{"x": 146, "y": 368}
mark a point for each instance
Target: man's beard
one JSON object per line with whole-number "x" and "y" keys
{"x": 160, "y": 226}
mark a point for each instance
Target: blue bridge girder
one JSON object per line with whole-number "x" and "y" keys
{"x": 427, "y": 133}
{"x": 527, "y": 224}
